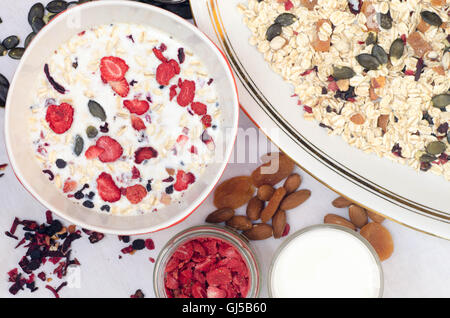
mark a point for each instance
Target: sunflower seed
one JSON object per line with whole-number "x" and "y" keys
{"x": 273, "y": 31}
{"x": 431, "y": 18}
{"x": 386, "y": 20}
{"x": 435, "y": 147}
{"x": 441, "y": 101}
{"x": 16, "y": 53}
{"x": 11, "y": 42}
{"x": 396, "y": 50}
{"x": 380, "y": 54}
{"x": 91, "y": 132}
{"x": 37, "y": 24}
{"x": 37, "y": 10}
{"x": 368, "y": 61}
{"x": 29, "y": 38}
{"x": 56, "y": 6}
{"x": 343, "y": 72}
{"x": 79, "y": 145}
{"x": 286, "y": 19}
{"x": 96, "y": 110}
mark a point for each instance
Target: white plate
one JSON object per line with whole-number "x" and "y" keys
{"x": 418, "y": 200}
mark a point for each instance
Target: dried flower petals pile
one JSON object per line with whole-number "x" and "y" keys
{"x": 375, "y": 72}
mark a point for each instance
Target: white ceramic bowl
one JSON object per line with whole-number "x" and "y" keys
{"x": 62, "y": 28}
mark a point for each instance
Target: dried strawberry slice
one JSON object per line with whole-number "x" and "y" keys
{"x": 206, "y": 264}
{"x": 159, "y": 55}
{"x": 176, "y": 66}
{"x": 136, "y": 106}
{"x": 198, "y": 291}
{"x": 144, "y": 153}
{"x": 206, "y": 121}
{"x": 164, "y": 73}
{"x": 173, "y": 91}
{"x": 113, "y": 68}
{"x": 137, "y": 123}
{"x": 214, "y": 292}
{"x": 187, "y": 93}
{"x": 107, "y": 189}
{"x": 112, "y": 149}
{"x": 60, "y": 117}
{"x": 183, "y": 180}
{"x": 171, "y": 282}
{"x": 219, "y": 276}
{"x": 121, "y": 87}
{"x": 135, "y": 173}
{"x": 199, "y": 108}
{"x": 93, "y": 152}
{"x": 69, "y": 186}
{"x": 136, "y": 193}
{"x": 182, "y": 140}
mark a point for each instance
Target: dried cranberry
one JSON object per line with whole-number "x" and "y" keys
{"x": 138, "y": 244}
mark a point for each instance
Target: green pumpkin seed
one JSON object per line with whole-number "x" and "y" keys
{"x": 96, "y": 110}
{"x": 4, "y": 81}
{"x": 368, "y": 61}
{"x": 372, "y": 38}
{"x": 11, "y": 42}
{"x": 436, "y": 147}
{"x": 3, "y": 50}
{"x": 343, "y": 72}
{"x": 56, "y": 6}
{"x": 380, "y": 54}
{"x": 427, "y": 158}
{"x": 273, "y": 31}
{"x": 431, "y": 18}
{"x": 37, "y": 24}
{"x": 79, "y": 145}
{"x": 396, "y": 50}
{"x": 286, "y": 19}
{"x": 16, "y": 53}
{"x": 29, "y": 38}
{"x": 3, "y": 95}
{"x": 91, "y": 132}
{"x": 48, "y": 17}
{"x": 37, "y": 10}
{"x": 441, "y": 101}
{"x": 386, "y": 20}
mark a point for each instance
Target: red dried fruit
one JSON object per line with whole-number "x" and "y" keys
{"x": 182, "y": 140}
{"x": 164, "y": 73}
{"x": 173, "y": 91}
{"x": 107, "y": 189}
{"x": 121, "y": 87}
{"x": 135, "y": 173}
{"x": 136, "y": 193}
{"x": 214, "y": 292}
{"x": 176, "y": 66}
{"x": 288, "y": 5}
{"x": 187, "y": 93}
{"x": 206, "y": 121}
{"x": 193, "y": 150}
{"x": 198, "y": 291}
{"x": 69, "y": 186}
{"x": 144, "y": 153}
{"x": 199, "y": 108}
{"x": 159, "y": 55}
{"x": 93, "y": 152}
{"x": 136, "y": 106}
{"x": 137, "y": 123}
{"x": 183, "y": 180}
{"x": 149, "y": 244}
{"x": 60, "y": 117}
{"x": 219, "y": 276}
{"x": 113, "y": 68}
{"x": 112, "y": 149}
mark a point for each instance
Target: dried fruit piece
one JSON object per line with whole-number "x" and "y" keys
{"x": 338, "y": 220}
{"x": 279, "y": 223}
{"x": 136, "y": 106}
{"x": 380, "y": 238}
{"x": 183, "y": 180}
{"x": 122, "y": 88}
{"x": 265, "y": 192}
{"x": 272, "y": 172}
{"x": 273, "y": 204}
{"x": 136, "y": 193}
{"x": 60, "y": 117}
{"x": 260, "y": 231}
{"x": 423, "y": 26}
{"x": 113, "y": 150}
{"x": 419, "y": 44}
{"x": 239, "y": 222}
{"x": 199, "y": 108}
{"x": 382, "y": 122}
{"x": 113, "y": 68}
{"x": 187, "y": 93}
{"x": 309, "y": 4}
{"x": 375, "y": 217}
{"x": 165, "y": 72}
{"x": 358, "y": 119}
{"x": 220, "y": 215}
{"x": 341, "y": 202}
{"x": 144, "y": 153}
{"x": 107, "y": 189}
{"x": 292, "y": 183}
{"x": 317, "y": 43}
{"x": 93, "y": 152}
{"x": 358, "y": 215}
{"x": 254, "y": 208}
{"x": 234, "y": 192}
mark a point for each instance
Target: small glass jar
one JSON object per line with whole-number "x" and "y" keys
{"x": 208, "y": 231}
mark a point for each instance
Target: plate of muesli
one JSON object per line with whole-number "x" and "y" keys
{"x": 356, "y": 92}
{"x": 124, "y": 123}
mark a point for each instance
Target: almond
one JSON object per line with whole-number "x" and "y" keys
{"x": 293, "y": 200}
{"x": 259, "y": 231}
{"x": 292, "y": 183}
{"x": 338, "y": 220}
{"x": 254, "y": 208}
{"x": 273, "y": 205}
{"x": 341, "y": 202}
{"x": 265, "y": 192}
{"x": 279, "y": 223}
{"x": 375, "y": 217}
{"x": 220, "y": 215}
{"x": 380, "y": 238}
{"x": 239, "y": 222}
{"x": 358, "y": 119}
{"x": 234, "y": 193}
{"x": 358, "y": 215}
{"x": 272, "y": 172}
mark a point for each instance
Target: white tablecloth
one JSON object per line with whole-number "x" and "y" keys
{"x": 419, "y": 267}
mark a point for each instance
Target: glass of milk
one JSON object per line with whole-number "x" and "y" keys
{"x": 324, "y": 261}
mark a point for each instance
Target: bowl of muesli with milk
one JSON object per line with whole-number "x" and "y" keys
{"x": 121, "y": 117}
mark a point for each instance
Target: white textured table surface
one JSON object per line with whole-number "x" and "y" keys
{"x": 419, "y": 267}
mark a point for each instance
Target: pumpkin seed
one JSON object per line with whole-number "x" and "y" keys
{"x": 16, "y": 53}
{"x": 273, "y": 31}
{"x": 4, "y": 81}
{"x": 3, "y": 95}
{"x": 343, "y": 72}
{"x": 380, "y": 54}
{"x": 96, "y": 110}
{"x": 286, "y": 19}
{"x": 386, "y": 20}
{"x": 11, "y": 42}
{"x": 48, "y": 17}
{"x": 372, "y": 38}
{"x": 3, "y": 50}
{"x": 37, "y": 10}
{"x": 396, "y": 50}
{"x": 79, "y": 145}
{"x": 91, "y": 132}
{"x": 448, "y": 138}
{"x": 72, "y": 4}
{"x": 56, "y": 6}
{"x": 368, "y": 61}
{"x": 427, "y": 158}
{"x": 37, "y": 24}
{"x": 29, "y": 38}
{"x": 441, "y": 101}
{"x": 435, "y": 147}
{"x": 431, "y": 18}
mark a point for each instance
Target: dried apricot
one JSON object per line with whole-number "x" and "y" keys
{"x": 309, "y": 4}
{"x": 380, "y": 238}
{"x": 419, "y": 44}
{"x": 234, "y": 192}
{"x": 317, "y": 44}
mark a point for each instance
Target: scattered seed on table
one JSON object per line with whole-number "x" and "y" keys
{"x": 11, "y": 42}
{"x": 16, "y": 53}
{"x": 37, "y": 24}
{"x": 29, "y": 38}
{"x": 56, "y": 6}
{"x": 37, "y": 10}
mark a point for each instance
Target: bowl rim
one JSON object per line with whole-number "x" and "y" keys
{"x": 204, "y": 194}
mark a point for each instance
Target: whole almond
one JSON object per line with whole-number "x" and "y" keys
{"x": 358, "y": 215}
{"x": 260, "y": 231}
{"x": 279, "y": 223}
{"x": 338, "y": 220}
{"x": 240, "y": 222}
{"x": 293, "y": 200}
{"x": 341, "y": 202}
{"x": 254, "y": 208}
{"x": 375, "y": 217}
{"x": 273, "y": 204}
{"x": 380, "y": 238}
{"x": 220, "y": 215}
{"x": 265, "y": 192}
{"x": 272, "y": 172}
{"x": 292, "y": 183}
